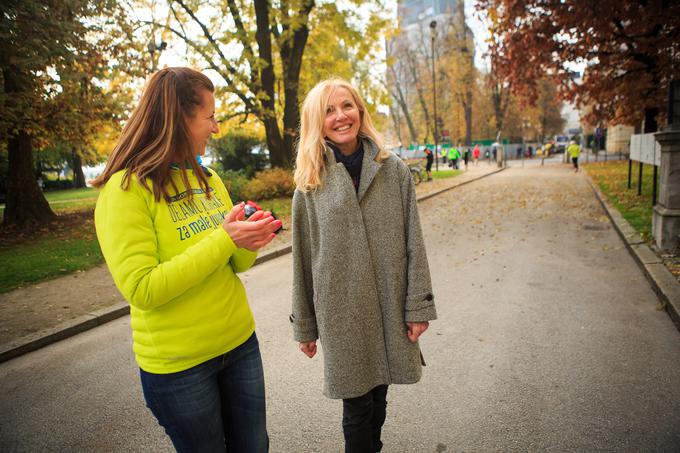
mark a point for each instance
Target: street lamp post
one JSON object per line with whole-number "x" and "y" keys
{"x": 154, "y": 47}
{"x": 433, "y": 30}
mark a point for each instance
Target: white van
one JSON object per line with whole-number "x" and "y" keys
{"x": 561, "y": 143}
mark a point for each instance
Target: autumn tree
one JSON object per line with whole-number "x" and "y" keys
{"x": 499, "y": 87}
{"x": 344, "y": 44}
{"x": 397, "y": 84}
{"x": 81, "y": 111}
{"x": 263, "y": 32}
{"x": 630, "y": 49}
{"x": 459, "y": 66}
{"x": 545, "y": 113}
{"x": 409, "y": 78}
{"x": 40, "y": 39}
{"x": 483, "y": 122}
{"x": 258, "y": 50}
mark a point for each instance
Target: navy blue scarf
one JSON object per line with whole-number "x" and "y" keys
{"x": 352, "y": 162}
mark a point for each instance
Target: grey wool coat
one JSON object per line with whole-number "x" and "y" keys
{"x": 359, "y": 273}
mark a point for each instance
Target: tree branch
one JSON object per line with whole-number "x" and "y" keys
{"x": 241, "y": 32}
{"x": 231, "y": 86}
{"x": 212, "y": 42}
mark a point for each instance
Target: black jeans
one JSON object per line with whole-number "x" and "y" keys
{"x": 362, "y": 421}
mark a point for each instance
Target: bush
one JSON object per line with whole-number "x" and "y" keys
{"x": 235, "y": 181}
{"x": 236, "y": 151}
{"x": 269, "y": 184}
{"x": 59, "y": 184}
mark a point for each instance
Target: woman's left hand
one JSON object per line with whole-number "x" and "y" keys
{"x": 258, "y": 215}
{"x": 415, "y": 329}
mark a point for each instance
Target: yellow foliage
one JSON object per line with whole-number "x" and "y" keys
{"x": 268, "y": 184}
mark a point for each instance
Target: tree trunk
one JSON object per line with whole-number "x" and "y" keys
{"x": 77, "y": 166}
{"x": 468, "y": 118}
{"x": 650, "y": 120}
{"x": 281, "y": 146}
{"x": 26, "y": 205}
{"x": 291, "y": 56}
{"x": 274, "y": 142}
{"x": 277, "y": 151}
{"x": 401, "y": 101}
{"x": 291, "y": 119}
{"x": 396, "y": 120}
{"x": 421, "y": 96}
{"x": 499, "y": 96}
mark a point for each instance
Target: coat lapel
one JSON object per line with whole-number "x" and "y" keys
{"x": 369, "y": 168}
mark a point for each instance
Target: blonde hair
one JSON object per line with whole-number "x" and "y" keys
{"x": 309, "y": 163}
{"x": 156, "y": 134}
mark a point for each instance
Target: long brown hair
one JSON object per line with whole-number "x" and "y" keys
{"x": 156, "y": 134}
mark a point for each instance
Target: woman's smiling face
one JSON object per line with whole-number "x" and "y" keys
{"x": 343, "y": 120}
{"x": 202, "y": 124}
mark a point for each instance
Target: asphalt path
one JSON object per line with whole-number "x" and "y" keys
{"x": 549, "y": 338}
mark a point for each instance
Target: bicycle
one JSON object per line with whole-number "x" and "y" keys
{"x": 416, "y": 173}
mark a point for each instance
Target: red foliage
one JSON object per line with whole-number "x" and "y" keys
{"x": 631, "y": 50}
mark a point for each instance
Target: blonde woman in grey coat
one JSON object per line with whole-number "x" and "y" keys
{"x": 361, "y": 279}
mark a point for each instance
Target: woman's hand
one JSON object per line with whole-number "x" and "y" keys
{"x": 252, "y": 234}
{"x": 308, "y": 348}
{"x": 415, "y": 329}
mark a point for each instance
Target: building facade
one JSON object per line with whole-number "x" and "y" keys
{"x": 618, "y": 138}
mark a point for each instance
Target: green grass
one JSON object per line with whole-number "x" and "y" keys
{"x": 612, "y": 178}
{"x": 70, "y": 244}
{"x": 72, "y": 194}
{"x": 73, "y": 246}
{"x": 69, "y": 200}
{"x": 443, "y": 174}
{"x": 73, "y": 206}
{"x": 280, "y": 206}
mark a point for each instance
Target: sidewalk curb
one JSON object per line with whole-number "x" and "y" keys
{"x": 430, "y": 195}
{"x": 663, "y": 283}
{"x": 62, "y": 331}
{"x": 96, "y": 318}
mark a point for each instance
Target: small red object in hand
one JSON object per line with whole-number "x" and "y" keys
{"x": 251, "y": 208}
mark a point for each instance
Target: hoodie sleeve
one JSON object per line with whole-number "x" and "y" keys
{"x": 129, "y": 243}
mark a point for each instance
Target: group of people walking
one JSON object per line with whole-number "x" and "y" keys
{"x": 175, "y": 243}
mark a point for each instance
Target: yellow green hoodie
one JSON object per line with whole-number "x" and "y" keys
{"x": 176, "y": 266}
{"x": 574, "y": 150}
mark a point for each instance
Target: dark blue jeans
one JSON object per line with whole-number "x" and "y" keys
{"x": 216, "y": 406}
{"x": 362, "y": 421}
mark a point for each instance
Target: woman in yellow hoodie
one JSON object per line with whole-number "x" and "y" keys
{"x": 174, "y": 242}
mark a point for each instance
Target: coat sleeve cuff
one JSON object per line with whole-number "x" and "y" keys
{"x": 304, "y": 329}
{"x": 420, "y": 308}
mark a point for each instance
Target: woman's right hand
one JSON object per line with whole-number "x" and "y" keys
{"x": 252, "y": 234}
{"x": 308, "y": 348}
